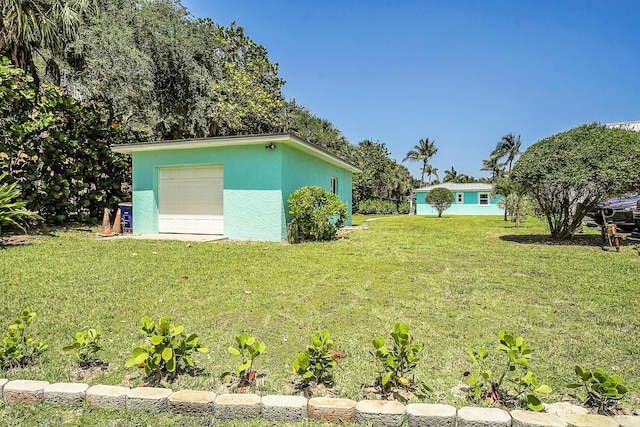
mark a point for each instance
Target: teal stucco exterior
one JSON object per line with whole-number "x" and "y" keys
{"x": 260, "y": 172}
{"x": 469, "y": 199}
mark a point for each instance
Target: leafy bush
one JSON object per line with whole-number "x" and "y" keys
{"x": 248, "y": 349}
{"x": 19, "y": 349}
{"x": 397, "y": 362}
{"x": 516, "y": 383}
{"x": 440, "y": 198}
{"x": 404, "y": 208}
{"x": 600, "y": 389}
{"x": 86, "y": 346}
{"x": 316, "y": 363}
{"x": 167, "y": 351}
{"x": 57, "y": 149}
{"x": 317, "y": 213}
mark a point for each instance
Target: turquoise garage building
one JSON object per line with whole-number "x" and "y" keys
{"x": 234, "y": 186}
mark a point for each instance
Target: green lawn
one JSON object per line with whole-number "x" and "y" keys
{"x": 455, "y": 280}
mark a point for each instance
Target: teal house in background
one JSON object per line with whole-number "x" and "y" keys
{"x": 234, "y": 186}
{"x": 468, "y": 199}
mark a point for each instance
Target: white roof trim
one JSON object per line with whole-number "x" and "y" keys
{"x": 455, "y": 186}
{"x": 225, "y": 141}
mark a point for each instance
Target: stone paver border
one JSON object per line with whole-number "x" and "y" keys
{"x": 292, "y": 408}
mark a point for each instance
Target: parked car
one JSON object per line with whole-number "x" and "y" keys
{"x": 619, "y": 211}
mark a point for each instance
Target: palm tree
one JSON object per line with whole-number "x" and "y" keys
{"x": 431, "y": 171}
{"x": 422, "y": 152}
{"x": 30, "y": 27}
{"x": 494, "y": 166}
{"x": 509, "y": 146}
{"x": 450, "y": 175}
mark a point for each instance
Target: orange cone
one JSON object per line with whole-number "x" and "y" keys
{"x": 106, "y": 223}
{"x": 117, "y": 227}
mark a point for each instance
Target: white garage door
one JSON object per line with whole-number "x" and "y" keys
{"x": 190, "y": 200}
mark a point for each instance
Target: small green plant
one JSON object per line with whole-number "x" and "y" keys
{"x": 248, "y": 349}
{"x": 19, "y": 349}
{"x": 167, "y": 350}
{"x": 86, "y": 346}
{"x": 516, "y": 382}
{"x": 600, "y": 389}
{"x": 636, "y": 248}
{"x": 397, "y": 362}
{"x": 316, "y": 363}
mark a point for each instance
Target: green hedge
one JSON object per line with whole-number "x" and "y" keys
{"x": 382, "y": 207}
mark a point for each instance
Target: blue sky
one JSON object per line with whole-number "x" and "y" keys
{"x": 462, "y": 73}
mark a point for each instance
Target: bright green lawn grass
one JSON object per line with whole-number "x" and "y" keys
{"x": 455, "y": 280}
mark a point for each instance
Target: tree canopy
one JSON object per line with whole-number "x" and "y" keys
{"x": 440, "y": 198}
{"x": 570, "y": 172}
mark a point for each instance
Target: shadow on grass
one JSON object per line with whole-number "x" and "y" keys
{"x": 536, "y": 239}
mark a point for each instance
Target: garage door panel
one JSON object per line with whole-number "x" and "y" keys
{"x": 190, "y": 200}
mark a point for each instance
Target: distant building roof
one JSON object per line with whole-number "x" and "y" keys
{"x": 625, "y": 125}
{"x": 454, "y": 186}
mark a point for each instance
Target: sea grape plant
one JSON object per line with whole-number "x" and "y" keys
{"x": 397, "y": 361}
{"x": 19, "y": 349}
{"x": 248, "y": 348}
{"x": 167, "y": 349}
{"x": 600, "y": 389}
{"x": 317, "y": 362}
{"x": 514, "y": 380}
{"x": 86, "y": 346}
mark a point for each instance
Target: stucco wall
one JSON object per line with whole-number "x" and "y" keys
{"x": 299, "y": 170}
{"x": 469, "y": 207}
{"x": 252, "y": 182}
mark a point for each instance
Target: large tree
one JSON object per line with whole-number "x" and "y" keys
{"x": 422, "y": 152}
{"x": 31, "y": 28}
{"x": 570, "y": 172}
{"x": 159, "y": 70}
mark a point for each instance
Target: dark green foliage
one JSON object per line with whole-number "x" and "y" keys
{"x": 317, "y": 362}
{"x": 440, "y": 198}
{"x": 57, "y": 150}
{"x": 516, "y": 384}
{"x": 382, "y": 207}
{"x": 86, "y": 346}
{"x": 397, "y": 362}
{"x": 569, "y": 173}
{"x": 381, "y": 176}
{"x": 167, "y": 349}
{"x": 19, "y": 349}
{"x": 299, "y": 120}
{"x": 317, "y": 213}
{"x": 600, "y": 389}
{"x": 159, "y": 70}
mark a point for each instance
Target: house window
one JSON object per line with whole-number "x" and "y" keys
{"x": 460, "y": 197}
{"x": 334, "y": 185}
{"x": 483, "y": 199}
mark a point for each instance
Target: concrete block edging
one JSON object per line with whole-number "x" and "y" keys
{"x": 289, "y": 408}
